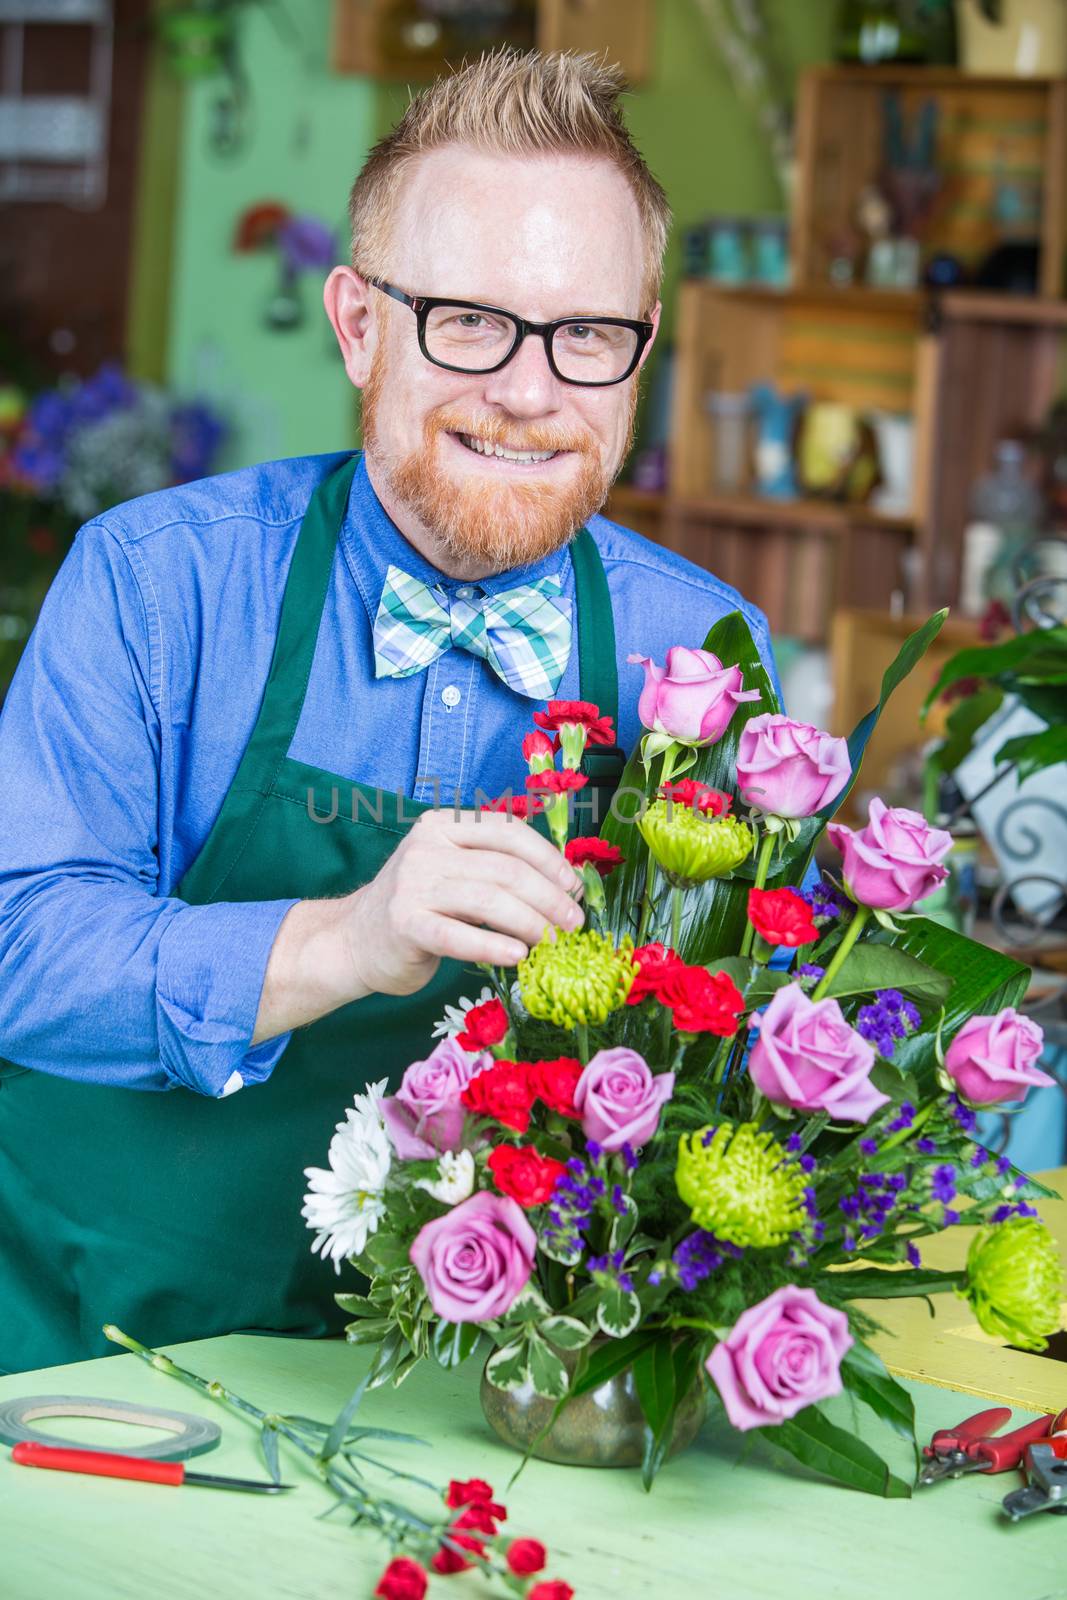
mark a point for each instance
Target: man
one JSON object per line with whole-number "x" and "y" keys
{"x": 210, "y": 881}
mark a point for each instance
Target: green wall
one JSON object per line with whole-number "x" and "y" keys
{"x": 285, "y": 393}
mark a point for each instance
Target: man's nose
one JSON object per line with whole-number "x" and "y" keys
{"x": 527, "y": 386}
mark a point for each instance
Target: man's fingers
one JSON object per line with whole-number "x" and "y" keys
{"x": 488, "y": 867}
{"x": 492, "y": 830}
{"x": 495, "y": 906}
{"x": 459, "y": 941}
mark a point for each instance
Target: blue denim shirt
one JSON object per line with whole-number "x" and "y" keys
{"x": 130, "y": 711}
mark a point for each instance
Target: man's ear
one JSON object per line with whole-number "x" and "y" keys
{"x": 354, "y": 319}
{"x": 657, "y": 310}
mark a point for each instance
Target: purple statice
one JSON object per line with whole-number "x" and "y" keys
{"x": 887, "y": 1020}
{"x": 571, "y": 1208}
{"x": 794, "y": 1143}
{"x": 618, "y": 1199}
{"x": 926, "y": 1147}
{"x": 610, "y": 1266}
{"x": 1020, "y": 1180}
{"x": 810, "y": 970}
{"x": 943, "y": 1184}
{"x": 196, "y": 434}
{"x": 964, "y": 1116}
{"x": 629, "y": 1160}
{"x": 949, "y": 1216}
{"x": 914, "y": 1258}
{"x": 869, "y": 1147}
{"x": 904, "y": 1118}
{"x": 980, "y": 1157}
{"x": 1020, "y": 1209}
{"x": 701, "y": 1254}
{"x": 655, "y": 1278}
{"x": 870, "y": 1204}
{"x": 807, "y": 1164}
{"x": 825, "y": 900}
{"x": 1003, "y": 1166}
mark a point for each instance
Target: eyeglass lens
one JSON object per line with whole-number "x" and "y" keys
{"x": 587, "y": 352}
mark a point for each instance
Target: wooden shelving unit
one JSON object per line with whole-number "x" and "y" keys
{"x": 967, "y": 365}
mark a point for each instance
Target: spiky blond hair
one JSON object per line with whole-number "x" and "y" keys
{"x": 510, "y": 103}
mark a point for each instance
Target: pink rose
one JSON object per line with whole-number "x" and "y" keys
{"x": 779, "y": 1356}
{"x": 790, "y": 768}
{"x": 693, "y": 697}
{"x": 893, "y": 861}
{"x": 993, "y": 1058}
{"x": 425, "y": 1116}
{"x": 618, "y": 1099}
{"x": 476, "y": 1259}
{"x": 809, "y": 1058}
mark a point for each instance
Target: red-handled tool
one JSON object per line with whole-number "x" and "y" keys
{"x": 971, "y": 1447}
{"x": 104, "y": 1464}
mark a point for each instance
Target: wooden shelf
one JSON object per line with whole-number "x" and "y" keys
{"x": 918, "y": 77}
{"x": 749, "y": 510}
{"x": 854, "y": 296}
{"x": 973, "y": 305}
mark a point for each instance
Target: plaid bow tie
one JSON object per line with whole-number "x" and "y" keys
{"x": 524, "y": 634}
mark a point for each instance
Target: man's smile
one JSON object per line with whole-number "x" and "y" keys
{"x": 507, "y": 456}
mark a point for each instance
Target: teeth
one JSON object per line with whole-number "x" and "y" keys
{"x": 484, "y": 448}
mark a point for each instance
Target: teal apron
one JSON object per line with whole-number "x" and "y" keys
{"x": 177, "y": 1216}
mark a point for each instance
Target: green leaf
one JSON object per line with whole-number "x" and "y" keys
{"x": 872, "y": 1283}
{"x": 609, "y": 1360}
{"x": 984, "y": 982}
{"x": 819, "y": 1444}
{"x": 663, "y": 1375}
{"x": 623, "y": 1226}
{"x": 507, "y": 1367}
{"x": 962, "y": 724}
{"x": 566, "y": 1333}
{"x": 547, "y": 1372}
{"x": 390, "y": 1353}
{"x": 1040, "y": 656}
{"x": 618, "y": 1311}
{"x": 453, "y": 1342}
{"x": 864, "y": 1374}
{"x": 1033, "y": 752}
{"x": 336, "y": 1436}
{"x": 368, "y": 1331}
{"x": 358, "y": 1304}
{"x": 873, "y": 965}
{"x": 268, "y": 1444}
{"x": 388, "y": 1251}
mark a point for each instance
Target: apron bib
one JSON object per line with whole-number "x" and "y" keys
{"x": 177, "y": 1216}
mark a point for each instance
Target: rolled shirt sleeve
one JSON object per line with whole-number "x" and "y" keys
{"x": 105, "y": 979}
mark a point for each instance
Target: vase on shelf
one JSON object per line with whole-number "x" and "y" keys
{"x": 604, "y": 1428}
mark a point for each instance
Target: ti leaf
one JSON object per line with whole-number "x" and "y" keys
{"x": 864, "y": 1374}
{"x": 873, "y": 965}
{"x": 876, "y": 1283}
{"x": 818, "y": 1443}
{"x": 609, "y": 1360}
{"x": 984, "y": 982}
{"x": 663, "y": 1376}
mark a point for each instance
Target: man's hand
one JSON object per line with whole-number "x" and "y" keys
{"x": 473, "y": 885}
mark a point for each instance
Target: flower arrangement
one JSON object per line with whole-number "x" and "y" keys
{"x": 700, "y": 1136}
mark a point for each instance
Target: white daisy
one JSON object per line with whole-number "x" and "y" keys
{"x": 455, "y": 1178}
{"x": 455, "y": 1018}
{"x": 345, "y": 1201}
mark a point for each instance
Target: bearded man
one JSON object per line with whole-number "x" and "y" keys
{"x": 242, "y": 864}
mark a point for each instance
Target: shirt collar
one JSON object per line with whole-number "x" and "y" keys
{"x": 372, "y": 542}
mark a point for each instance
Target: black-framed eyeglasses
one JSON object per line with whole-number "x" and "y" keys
{"x": 466, "y": 336}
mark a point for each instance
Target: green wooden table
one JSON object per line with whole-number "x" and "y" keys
{"x": 714, "y": 1526}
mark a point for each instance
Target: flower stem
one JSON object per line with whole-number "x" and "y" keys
{"x": 909, "y": 1133}
{"x": 763, "y": 866}
{"x": 646, "y": 901}
{"x": 582, "y": 1030}
{"x": 670, "y": 756}
{"x": 676, "y": 917}
{"x": 852, "y": 933}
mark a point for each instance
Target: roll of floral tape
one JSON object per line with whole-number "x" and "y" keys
{"x": 192, "y": 1435}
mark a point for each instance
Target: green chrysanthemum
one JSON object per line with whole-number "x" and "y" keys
{"x": 576, "y": 978}
{"x": 740, "y": 1185}
{"x": 1014, "y": 1282}
{"x": 691, "y": 847}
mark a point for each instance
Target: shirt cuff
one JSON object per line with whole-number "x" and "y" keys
{"x": 209, "y": 981}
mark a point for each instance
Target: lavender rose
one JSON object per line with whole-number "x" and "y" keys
{"x": 780, "y": 1356}
{"x": 994, "y": 1058}
{"x": 809, "y": 1058}
{"x": 425, "y": 1116}
{"x": 619, "y": 1099}
{"x": 693, "y": 697}
{"x": 790, "y": 768}
{"x": 893, "y": 861}
{"x": 476, "y": 1259}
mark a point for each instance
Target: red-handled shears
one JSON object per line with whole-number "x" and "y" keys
{"x": 105, "y": 1464}
{"x": 975, "y": 1446}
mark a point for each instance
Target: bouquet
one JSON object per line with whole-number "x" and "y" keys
{"x": 696, "y": 1139}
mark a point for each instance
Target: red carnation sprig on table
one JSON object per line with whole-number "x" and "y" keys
{"x": 698, "y": 796}
{"x": 781, "y": 916}
{"x": 577, "y": 713}
{"x": 655, "y": 963}
{"x": 403, "y": 1579}
{"x": 703, "y": 1001}
{"x": 524, "y": 1174}
{"x": 516, "y": 805}
{"x": 554, "y": 1083}
{"x": 599, "y": 853}
{"x": 504, "y": 1092}
{"x": 483, "y": 1026}
{"x": 556, "y": 782}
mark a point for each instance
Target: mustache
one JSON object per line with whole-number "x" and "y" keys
{"x": 504, "y": 432}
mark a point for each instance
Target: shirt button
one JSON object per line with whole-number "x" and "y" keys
{"x": 451, "y": 696}
{"x": 466, "y": 593}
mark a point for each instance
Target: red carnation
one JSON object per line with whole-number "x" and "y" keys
{"x": 447, "y": 1560}
{"x": 537, "y": 744}
{"x": 554, "y": 782}
{"x": 518, "y": 805}
{"x": 554, "y": 1082}
{"x": 582, "y": 713}
{"x": 483, "y": 1025}
{"x": 403, "y": 1579}
{"x": 604, "y": 856}
{"x": 781, "y": 916}
{"x": 702, "y": 1001}
{"x": 524, "y": 1556}
{"x": 699, "y": 796}
{"x": 479, "y": 1517}
{"x": 525, "y": 1175}
{"x": 465, "y": 1491}
{"x": 655, "y": 963}
{"x": 502, "y": 1091}
{"x": 554, "y": 1589}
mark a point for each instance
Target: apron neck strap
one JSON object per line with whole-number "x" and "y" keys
{"x": 597, "y": 668}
